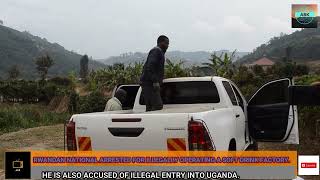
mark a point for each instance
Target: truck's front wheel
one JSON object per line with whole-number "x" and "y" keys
{"x": 253, "y": 146}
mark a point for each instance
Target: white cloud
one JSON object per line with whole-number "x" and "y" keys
{"x": 236, "y": 23}
{"x": 274, "y": 24}
{"x": 203, "y": 26}
{"x": 103, "y": 28}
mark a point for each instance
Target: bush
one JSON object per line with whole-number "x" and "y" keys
{"x": 31, "y": 91}
{"x": 73, "y": 103}
{"x": 308, "y": 115}
{"x": 47, "y": 92}
{"x": 307, "y": 79}
{"x": 61, "y": 81}
{"x": 94, "y": 102}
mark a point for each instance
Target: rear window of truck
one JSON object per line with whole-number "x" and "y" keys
{"x": 191, "y": 92}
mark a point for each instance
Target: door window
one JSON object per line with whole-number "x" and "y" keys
{"x": 240, "y": 100}
{"x": 274, "y": 93}
{"x": 230, "y": 92}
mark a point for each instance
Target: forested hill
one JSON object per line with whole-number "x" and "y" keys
{"x": 21, "y": 48}
{"x": 303, "y": 45}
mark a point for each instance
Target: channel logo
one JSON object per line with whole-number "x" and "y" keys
{"x": 17, "y": 165}
{"x": 304, "y": 16}
{"x": 308, "y": 165}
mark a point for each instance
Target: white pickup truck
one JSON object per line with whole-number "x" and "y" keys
{"x": 200, "y": 113}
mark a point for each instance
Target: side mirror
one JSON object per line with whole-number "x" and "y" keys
{"x": 304, "y": 95}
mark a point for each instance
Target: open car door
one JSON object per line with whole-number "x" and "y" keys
{"x": 270, "y": 116}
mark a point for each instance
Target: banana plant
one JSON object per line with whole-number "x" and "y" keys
{"x": 174, "y": 69}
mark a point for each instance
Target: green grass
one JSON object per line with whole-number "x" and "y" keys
{"x": 22, "y": 116}
{"x": 307, "y": 79}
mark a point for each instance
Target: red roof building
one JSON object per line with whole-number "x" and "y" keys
{"x": 263, "y": 62}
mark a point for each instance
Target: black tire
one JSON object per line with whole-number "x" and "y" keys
{"x": 232, "y": 145}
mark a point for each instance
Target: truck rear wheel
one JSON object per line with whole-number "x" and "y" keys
{"x": 232, "y": 145}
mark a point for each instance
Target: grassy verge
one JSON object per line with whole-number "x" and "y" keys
{"x": 22, "y": 116}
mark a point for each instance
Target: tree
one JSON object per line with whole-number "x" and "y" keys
{"x": 213, "y": 64}
{"x": 14, "y": 72}
{"x": 73, "y": 78}
{"x": 43, "y": 64}
{"x": 288, "y": 54}
{"x": 301, "y": 69}
{"x": 221, "y": 65}
{"x": 84, "y": 61}
{"x": 197, "y": 71}
{"x": 258, "y": 70}
{"x": 225, "y": 65}
{"x": 74, "y": 102}
{"x": 174, "y": 69}
{"x": 134, "y": 71}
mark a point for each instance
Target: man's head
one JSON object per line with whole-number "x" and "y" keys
{"x": 163, "y": 42}
{"x": 121, "y": 95}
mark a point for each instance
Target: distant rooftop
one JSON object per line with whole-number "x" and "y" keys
{"x": 263, "y": 62}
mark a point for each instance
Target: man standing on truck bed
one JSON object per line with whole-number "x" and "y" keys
{"x": 152, "y": 74}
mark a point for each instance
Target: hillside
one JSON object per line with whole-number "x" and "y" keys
{"x": 190, "y": 58}
{"x": 21, "y": 48}
{"x": 303, "y": 45}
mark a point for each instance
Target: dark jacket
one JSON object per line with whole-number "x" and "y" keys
{"x": 153, "y": 69}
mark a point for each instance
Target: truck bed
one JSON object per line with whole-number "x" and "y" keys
{"x": 184, "y": 109}
{"x": 167, "y": 109}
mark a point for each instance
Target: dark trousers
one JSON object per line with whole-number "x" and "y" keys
{"x": 152, "y": 98}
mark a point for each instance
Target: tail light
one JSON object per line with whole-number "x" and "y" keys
{"x": 71, "y": 136}
{"x": 199, "y": 138}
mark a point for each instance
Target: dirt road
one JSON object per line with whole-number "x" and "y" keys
{"x": 39, "y": 138}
